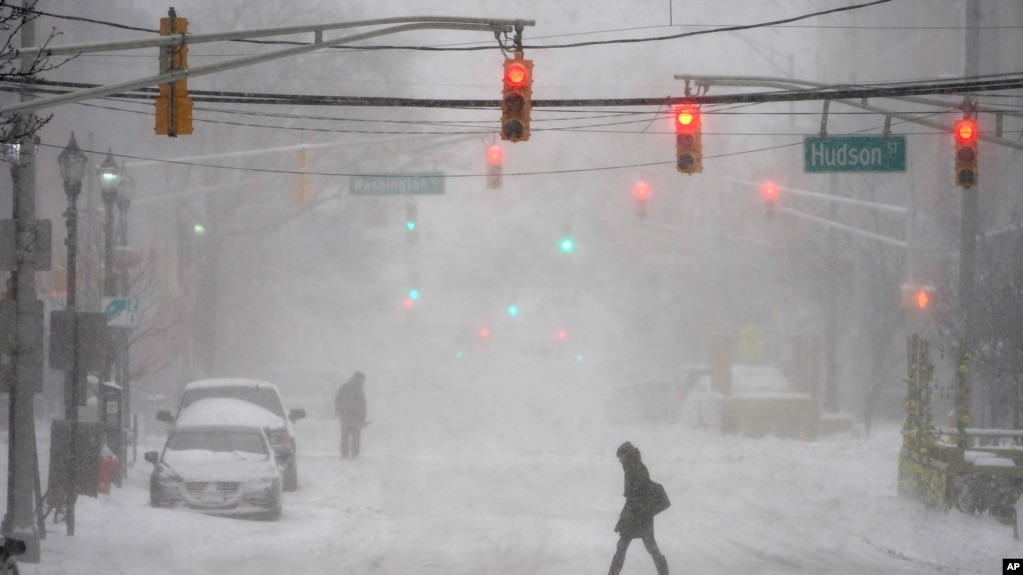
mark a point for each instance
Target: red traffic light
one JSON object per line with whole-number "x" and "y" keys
{"x": 495, "y": 155}
{"x": 484, "y": 332}
{"x": 686, "y": 118}
{"x": 965, "y": 131}
{"x": 516, "y": 74}
{"x": 641, "y": 191}
{"x": 922, "y": 299}
{"x": 769, "y": 191}
{"x": 562, "y": 334}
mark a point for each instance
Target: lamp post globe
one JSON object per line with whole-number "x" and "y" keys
{"x": 72, "y": 162}
{"x": 109, "y": 179}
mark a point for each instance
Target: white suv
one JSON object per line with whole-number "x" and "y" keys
{"x": 253, "y": 402}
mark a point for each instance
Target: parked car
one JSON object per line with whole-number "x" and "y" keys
{"x": 221, "y": 469}
{"x": 271, "y": 414}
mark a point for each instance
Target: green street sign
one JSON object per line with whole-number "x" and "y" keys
{"x": 854, "y": 154}
{"x": 430, "y": 183}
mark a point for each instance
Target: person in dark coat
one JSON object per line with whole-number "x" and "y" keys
{"x": 350, "y": 408}
{"x": 637, "y": 518}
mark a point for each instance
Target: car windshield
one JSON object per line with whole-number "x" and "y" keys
{"x": 221, "y": 441}
{"x": 265, "y": 397}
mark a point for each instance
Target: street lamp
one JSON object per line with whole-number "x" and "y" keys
{"x": 109, "y": 182}
{"x": 72, "y": 163}
{"x": 125, "y": 259}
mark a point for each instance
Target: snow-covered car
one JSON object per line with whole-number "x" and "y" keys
{"x": 253, "y": 402}
{"x": 221, "y": 469}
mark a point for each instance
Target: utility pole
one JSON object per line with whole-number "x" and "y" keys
{"x": 19, "y": 522}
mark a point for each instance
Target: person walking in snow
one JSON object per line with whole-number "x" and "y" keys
{"x": 350, "y": 408}
{"x": 642, "y": 502}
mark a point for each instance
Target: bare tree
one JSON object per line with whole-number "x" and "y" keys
{"x": 18, "y": 74}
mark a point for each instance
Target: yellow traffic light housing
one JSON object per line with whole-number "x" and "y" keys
{"x": 688, "y": 139}
{"x": 516, "y": 103}
{"x": 966, "y": 136}
{"x": 173, "y": 106}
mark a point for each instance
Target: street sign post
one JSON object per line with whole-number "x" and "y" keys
{"x": 854, "y": 154}
{"x": 429, "y": 183}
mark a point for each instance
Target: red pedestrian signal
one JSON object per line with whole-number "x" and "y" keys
{"x": 966, "y": 136}
{"x": 516, "y": 104}
{"x": 688, "y": 139}
{"x": 495, "y": 168}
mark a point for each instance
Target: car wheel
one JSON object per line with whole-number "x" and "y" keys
{"x": 291, "y": 475}
{"x": 273, "y": 512}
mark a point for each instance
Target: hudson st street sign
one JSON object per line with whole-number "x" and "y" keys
{"x": 854, "y": 154}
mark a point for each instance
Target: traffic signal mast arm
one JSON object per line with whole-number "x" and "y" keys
{"x": 829, "y": 223}
{"x": 407, "y": 24}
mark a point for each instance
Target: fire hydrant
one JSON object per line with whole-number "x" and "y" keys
{"x": 107, "y": 470}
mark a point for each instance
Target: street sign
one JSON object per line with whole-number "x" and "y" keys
{"x": 429, "y": 183}
{"x": 854, "y": 154}
{"x": 121, "y": 312}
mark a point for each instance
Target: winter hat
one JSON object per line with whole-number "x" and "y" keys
{"x": 628, "y": 450}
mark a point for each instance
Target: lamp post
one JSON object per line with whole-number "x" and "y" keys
{"x": 72, "y": 163}
{"x": 124, "y": 198}
{"x": 109, "y": 185}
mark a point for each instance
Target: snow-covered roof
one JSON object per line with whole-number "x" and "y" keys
{"x": 227, "y": 411}
{"x": 228, "y": 381}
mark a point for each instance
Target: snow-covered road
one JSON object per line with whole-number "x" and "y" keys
{"x": 469, "y": 494}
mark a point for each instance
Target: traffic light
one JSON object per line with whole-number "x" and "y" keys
{"x": 516, "y": 103}
{"x": 495, "y": 169}
{"x": 641, "y": 192}
{"x": 688, "y": 143}
{"x": 412, "y": 298}
{"x": 917, "y": 297}
{"x": 769, "y": 193}
{"x": 566, "y": 245}
{"x": 922, "y": 299}
{"x": 966, "y": 135}
{"x": 513, "y": 310}
{"x": 173, "y": 106}
{"x": 411, "y": 223}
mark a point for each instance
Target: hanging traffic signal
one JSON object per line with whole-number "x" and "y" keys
{"x": 173, "y": 106}
{"x": 641, "y": 193}
{"x": 516, "y": 103}
{"x": 513, "y": 310}
{"x": 769, "y": 193}
{"x": 411, "y": 223}
{"x": 495, "y": 169}
{"x": 688, "y": 143}
{"x": 966, "y": 136}
{"x": 567, "y": 244}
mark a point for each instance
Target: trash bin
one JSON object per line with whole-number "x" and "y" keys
{"x": 107, "y": 470}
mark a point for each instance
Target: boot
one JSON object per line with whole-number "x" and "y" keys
{"x": 662, "y": 564}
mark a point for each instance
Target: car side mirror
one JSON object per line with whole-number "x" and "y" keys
{"x": 296, "y": 414}
{"x": 151, "y": 457}
{"x": 164, "y": 416}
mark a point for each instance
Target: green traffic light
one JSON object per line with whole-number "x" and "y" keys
{"x": 413, "y": 294}
{"x": 513, "y": 310}
{"x": 567, "y": 244}
{"x": 198, "y": 229}
{"x": 410, "y": 225}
